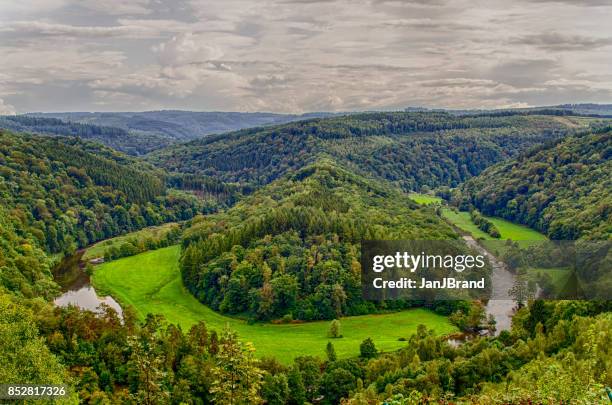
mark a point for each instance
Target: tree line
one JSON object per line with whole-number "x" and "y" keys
{"x": 561, "y": 189}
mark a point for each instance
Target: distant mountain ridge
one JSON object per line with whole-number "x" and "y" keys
{"x": 585, "y": 109}
{"x": 138, "y": 133}
{"x": 412, "y": 150}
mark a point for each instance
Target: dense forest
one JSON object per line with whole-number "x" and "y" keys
{"x": 554, "y": 351}
{"x": 302, "y": 195}
{"x": 293, "y": 246}
{"x": 137, "y": 133}
{"x": 560, "y": 188}
{"x": 60, "y": 194}
{"x": 131, "y": 142}
{"x": 412, "y": 150}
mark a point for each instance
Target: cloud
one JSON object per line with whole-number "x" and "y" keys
{"x": 555, "y": 41}
{"x": 185, "y": 49}
{"x": 116, "y": 7}
{"x": 45, "y": 29}
{"x": 301, "y": 55}
{"x": 6, "y": 109}
{"x": 578, "y": 3}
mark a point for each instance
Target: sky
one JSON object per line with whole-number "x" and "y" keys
{"x": 295, "y": 56}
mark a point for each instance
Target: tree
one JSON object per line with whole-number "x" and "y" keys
{"x": 213, "y": 344}
{"x": 23, "y": 355}
{"x": 297, "y": 391}
{"x": 331, "y": 352}
{"x": 198, "y": 337}
{"x": 523, "y": 289}
{"x": 334, "y": 329}
{"x": 275, "y": 389}
{"x": 367, "y": 349}
{"x": 148, "y": 365}
{"x": 237, "y": 377}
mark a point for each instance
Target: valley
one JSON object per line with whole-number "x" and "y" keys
{"x": 151, "y": 283}
{"x": 260, "y": 253}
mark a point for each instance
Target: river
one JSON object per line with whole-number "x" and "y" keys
{"x": 76, "y": 286}
{"x": 501, "y": 305}
{"x": 77, "y": 289}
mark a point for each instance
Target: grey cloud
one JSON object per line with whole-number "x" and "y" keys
{"x": 555, "y": 41}
{"x": 40, "y": 28}
{"x": 300, "y": 55}
{"x": 586, "y": 3}
{"x": 6, "y": 109}
{"x": 523, "y": 72}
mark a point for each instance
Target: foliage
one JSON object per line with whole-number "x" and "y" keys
{"x": 561, "y": 189}
{"x": 294, "y": 246}
{"x": 334, "y": 329}
{"x": 24, "y": 357}
{"x": 367, "y": 349}
{"x": 330, "y": 352}
{"x": 484, "y": 224}
{"x": 411, "y": 150}
{"x": 130, "y": 142}
{"x": 137, "y": 133}
{"x": 524, "y": 366}
{"x": 151, "y": 283}
{"x": 60, "y": 194}
{"x": 237, "y": 378}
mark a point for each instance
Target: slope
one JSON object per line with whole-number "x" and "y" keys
{"x": 412, "y": 150}
{"x": 292, "y": 248}
{"x": 138, "y": 133}
{"x": 561, "y": 189}
{"x": 59, "y": 194}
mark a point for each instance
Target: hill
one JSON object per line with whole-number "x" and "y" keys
{"x": 411, "y": 150}
{"x": 130, "y": 142}
{"x": 561, "y": 189}
{"x": 138, "y": 133}
{"x": 60, "y": 194}
{"x": 292, "y": 248}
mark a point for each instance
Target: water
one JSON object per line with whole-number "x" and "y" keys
{"x": 77, "y": 289}
{"x": 501, "y": 305}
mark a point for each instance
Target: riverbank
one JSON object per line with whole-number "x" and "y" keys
{"x": 151, "y": 283}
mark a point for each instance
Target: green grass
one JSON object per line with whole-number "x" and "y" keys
{"x": 424, "y": 199}
{"x": 507, "y": 229}
{"x": 151, "y": 283}
{"x": 99, "y": 248}
{"x": 559, "y": 276}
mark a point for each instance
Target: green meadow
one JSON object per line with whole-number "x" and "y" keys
{"x": 99, "y": 248}
{"x": 151, "y": 283}
{"x": 507, "y": 229}
{"x": 558, "y": 276}
{"x": 424, "y": 199}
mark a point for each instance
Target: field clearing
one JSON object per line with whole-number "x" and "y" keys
{"x": 98, "y": 249}
{"x": 507, "y": 229}
{"x": 558, "y": 276}
{"x": 151, "y": 283}
{"x": 424, "y": 199}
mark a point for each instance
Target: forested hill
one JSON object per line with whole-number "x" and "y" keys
{"x": 131, "y": 142}
{"x": 410, "y": 149}
{"x": 561, "y": 189}
{"x": 292, "y": 248}
{"x": 59, "y": 194}
{"x": 138, "y": 133}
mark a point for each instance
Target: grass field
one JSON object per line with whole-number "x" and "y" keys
{"x": 424, "y": 199}
{"x": 558, "y": 276}
{"x": 507, "y": 229}
{"x": 99, "y": 248}
{"x": 151, "y": 283}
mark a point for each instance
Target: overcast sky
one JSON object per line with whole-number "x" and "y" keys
{"x": 301, "y": 55}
